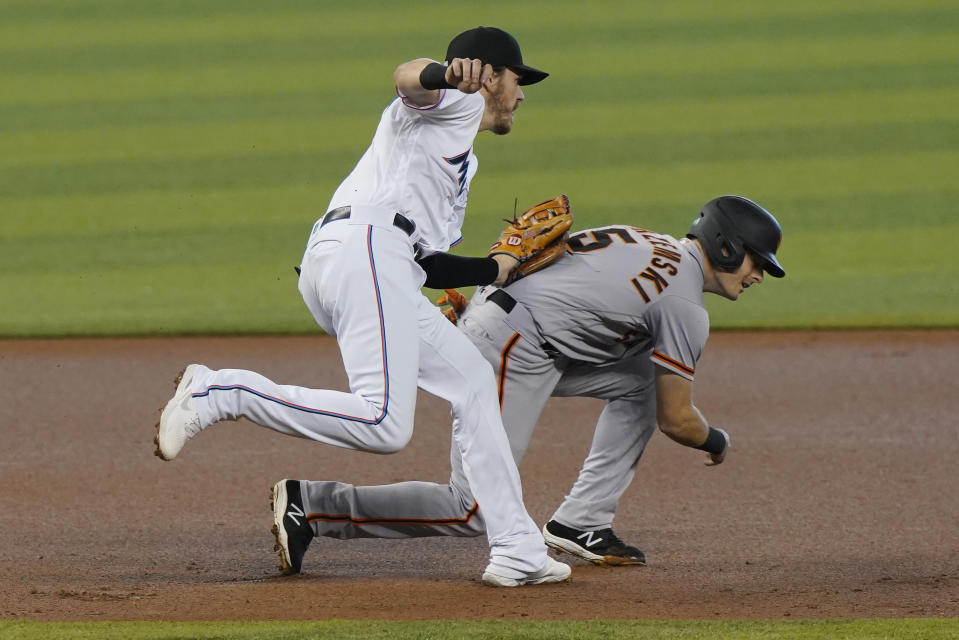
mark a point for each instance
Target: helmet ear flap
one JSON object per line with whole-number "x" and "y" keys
{"x": 731, "y": 252}
{"x": 722, "y": 245}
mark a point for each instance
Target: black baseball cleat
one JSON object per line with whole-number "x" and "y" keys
{"x": 292, "y": 531}
{"x": 601, "y": 547}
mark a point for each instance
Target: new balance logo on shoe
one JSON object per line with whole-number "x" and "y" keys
{"x": 587, "y": 538}
{"x": 293, "y": 512}
{"x": 599, "y": 547}
{"x": 293, "y": 537}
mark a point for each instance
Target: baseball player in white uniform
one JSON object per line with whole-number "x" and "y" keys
{"x": 384, "y": 235}
{"x": 621, "y": 318}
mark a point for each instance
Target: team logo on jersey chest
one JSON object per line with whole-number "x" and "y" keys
{"x": 463, "y": 164}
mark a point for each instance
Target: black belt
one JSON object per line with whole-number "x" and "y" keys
{"x": 506, "y": 302}
{"x": 503, "y": 300}
{"x": 400, "y": 221}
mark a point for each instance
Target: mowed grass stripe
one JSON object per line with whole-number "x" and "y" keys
{"x": 87, "y": 216}
{"x": 93, "y": 214}
{"x": 245, "y": 66}
{"x": 851, "y": 287}
{"x": 809, "y": 143}
{"x": 204, "y": 246}
{"x": 883, "y": 301}
{"x": 212, "y": 140}
{"x": 177, "y": 174}
{"x": 672, "y": 212}
{"x": 318, "y": 35}
{"x": 133, "y": 298}
{"x": 37, "y": 25}
{"x": 171, "y": 299}
{"x": 830, "y": 146}
{"x": 59, "y": 11}
{"x": 124, "y": 300}
{"x": 759, "y": 53}
{"x": 580, "y": 124}
{"x": 886, "y": 629}
{"x": 753, "y": 113}
{"x": 218, "y": 27}
{"x": 787, "y": 177}
{"x": 862, "y": 94}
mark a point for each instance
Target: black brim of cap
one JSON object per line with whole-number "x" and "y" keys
{"x": 527, "y": 75}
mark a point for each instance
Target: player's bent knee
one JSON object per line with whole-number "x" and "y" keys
{"x": 392, "y": 436}
{"x": 475, "y": 527}
{"x": 392, "y": 446}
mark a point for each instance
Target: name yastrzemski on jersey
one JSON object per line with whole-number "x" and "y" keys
{"x": 619, "y": 291}
{"x": 666, "y": 255}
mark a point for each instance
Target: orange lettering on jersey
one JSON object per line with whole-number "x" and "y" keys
{"x": 669, "y": 254}
{"x": 658, "y": 241}
{"x": 654, "y": 277}
{"x": 665, "y": 253}
{"x": 659, "y": 264}
{"x": 639, "y": 288}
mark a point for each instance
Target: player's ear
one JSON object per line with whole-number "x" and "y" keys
{"x": 494, "y": 77}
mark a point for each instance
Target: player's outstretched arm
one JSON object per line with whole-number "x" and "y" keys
{"x": 681, "y": 421}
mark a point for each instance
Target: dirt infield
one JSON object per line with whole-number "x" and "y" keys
{"x": 840, "y": 498}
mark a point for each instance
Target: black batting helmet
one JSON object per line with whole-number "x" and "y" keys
{"x": 729, "y": 226}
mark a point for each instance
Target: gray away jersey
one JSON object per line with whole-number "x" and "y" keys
{"x": 619, "y": 291}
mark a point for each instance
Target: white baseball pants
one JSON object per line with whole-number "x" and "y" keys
{"x": 361, "y": 284}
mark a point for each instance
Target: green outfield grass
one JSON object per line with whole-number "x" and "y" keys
{"x": 163, "y": 162}
{"x": 910, "y": 629}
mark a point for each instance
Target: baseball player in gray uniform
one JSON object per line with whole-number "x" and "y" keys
{"x": 621, "y": 318}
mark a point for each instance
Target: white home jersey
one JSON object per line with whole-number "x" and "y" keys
{"x": 420, "y": 164}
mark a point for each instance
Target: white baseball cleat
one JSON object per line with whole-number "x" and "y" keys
{"x": 553, "y": 572}
{"x": 179, "y": 420}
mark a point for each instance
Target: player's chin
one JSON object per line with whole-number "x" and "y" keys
{"x": 502, "y": 126}
{"x": 731, "y": 294}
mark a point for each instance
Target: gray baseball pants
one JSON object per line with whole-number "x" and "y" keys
{"x": 527, "y": 376}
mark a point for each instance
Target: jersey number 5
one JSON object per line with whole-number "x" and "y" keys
{"x": 601, "y": 239}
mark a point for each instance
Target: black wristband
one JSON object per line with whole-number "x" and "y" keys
{"x": 433, "y": 76}
{"x": 715, "y": 442}
{"x": 447, "y": 271}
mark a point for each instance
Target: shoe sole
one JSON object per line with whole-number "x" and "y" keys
{"x": 282, "y": 542}
{"x": 564, "y": 546}
{"x": 499, "y": 581}
{"x": 156, "y": 430}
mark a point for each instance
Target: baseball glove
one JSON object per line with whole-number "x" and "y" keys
{"x": 537, "y": 237}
